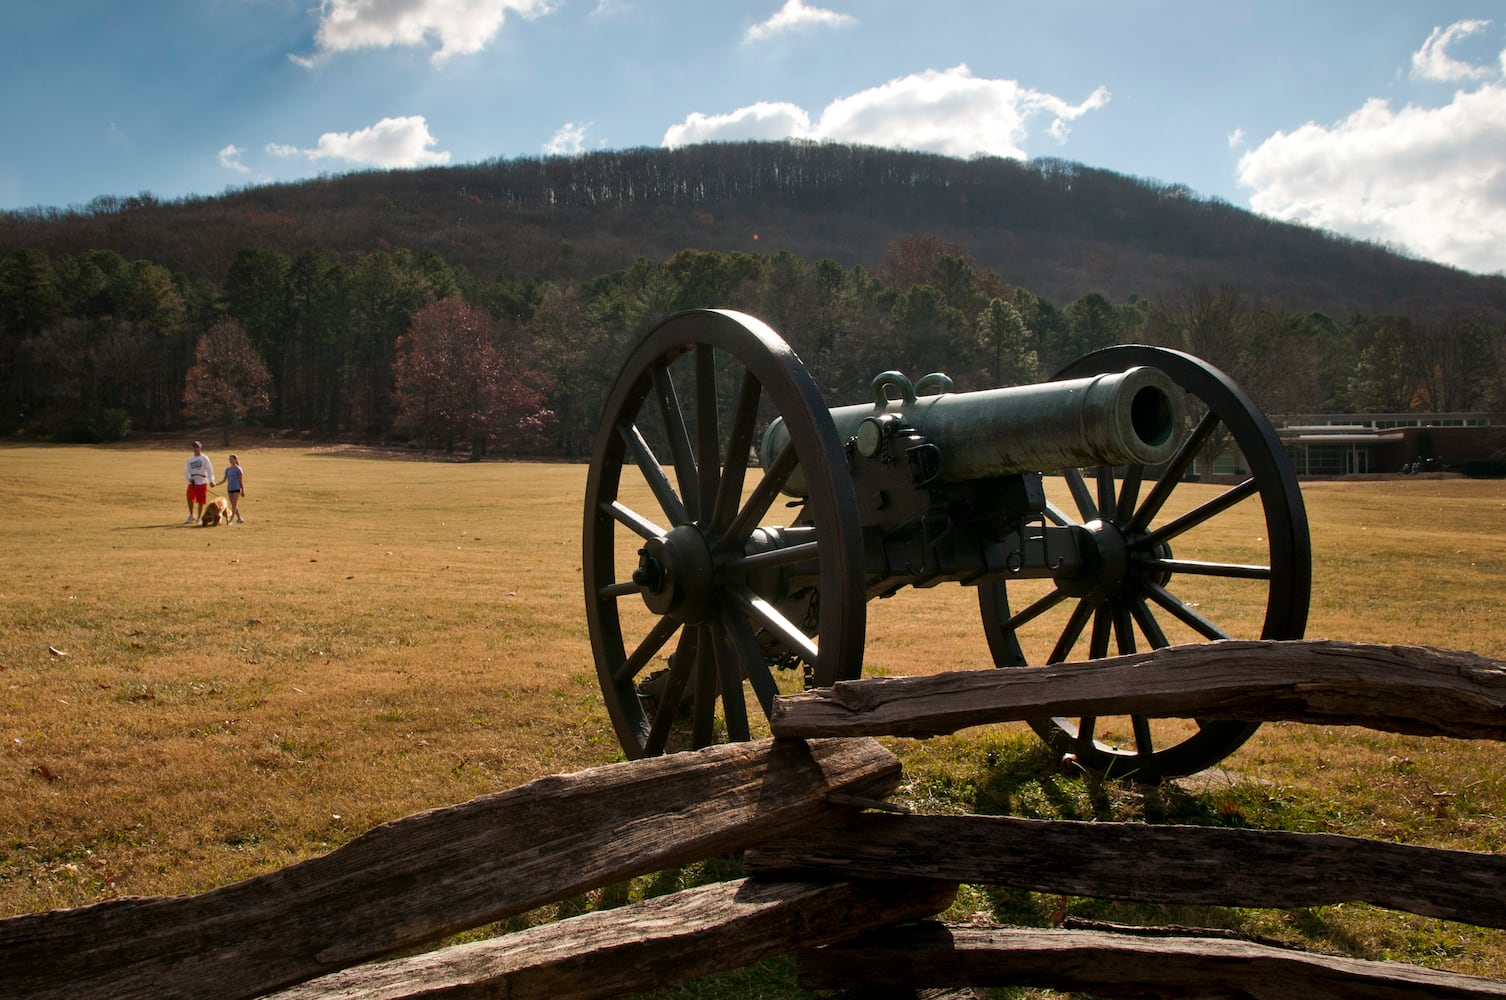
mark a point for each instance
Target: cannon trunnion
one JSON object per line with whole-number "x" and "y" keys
{"x": 735, "y": 529}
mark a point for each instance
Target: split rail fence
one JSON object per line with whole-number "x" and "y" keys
{"x": 831, "y": 872}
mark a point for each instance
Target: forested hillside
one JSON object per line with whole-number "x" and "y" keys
{"x": 331, "y": 292}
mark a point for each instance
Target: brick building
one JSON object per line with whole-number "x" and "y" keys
{"x": 1327, "y": 444}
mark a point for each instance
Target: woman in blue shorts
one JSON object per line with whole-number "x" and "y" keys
{"x": 235, "y": 488}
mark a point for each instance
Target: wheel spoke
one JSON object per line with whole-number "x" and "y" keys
{"x": 703, "y": 717}
{"x": 1085, "y": 728}
{"x": 754, "y": 665}
{"x": 729, "y": 672}
{"x": 637, "y": 523}
{"x": 1072, "y": 631}
{"x": 663, "y": 629}
{"x": 773, "y": 558}
{"x": 708, "y": 461}
{"x": 1201, "y": 513}
{"x": 1124, "y": 628}
{"x": 681, "y": 665}
{"x": 729, "y": 491}
{"x": 765, "y": 614}
{"x": 1151, "y": 628}
{"x": 1039, "y": 607}
{"x": 1129, "y": 494}
{"x": 1098, "y": 646}
{"x": 1186, "y": 615}
{"x": 679, "y": 437}
{"x": 1192, "y": 567}
{"x": 1175, "y": 470}
{"x": 763, "y": 497}
{"x": 1106, "y": 503}
{"x": 653, "y": 474}
{"x": 1055, "y": 515}
{"x": 613, "y": 591}
{"x": 1124, "y": 640}
{"x": 1081, "y": 494}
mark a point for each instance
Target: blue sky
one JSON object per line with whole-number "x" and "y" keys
{"x": 1381, "y": 119}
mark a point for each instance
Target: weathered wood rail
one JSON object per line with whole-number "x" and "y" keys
{"x": 1401, "y": 689}
{"x": 824, "y": 879}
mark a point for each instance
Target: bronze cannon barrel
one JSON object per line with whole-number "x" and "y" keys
{"x": 1133, "y": 417}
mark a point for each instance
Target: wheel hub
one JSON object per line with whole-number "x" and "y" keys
{"x": 1105, "y": 562}
{"x": 676, "y": 573}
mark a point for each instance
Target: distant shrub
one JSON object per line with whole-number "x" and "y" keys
{"x": 114, "y": 425}
{"x": 76, "y": 428}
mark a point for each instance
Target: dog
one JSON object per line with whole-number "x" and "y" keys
{"x": 215, "y": 512}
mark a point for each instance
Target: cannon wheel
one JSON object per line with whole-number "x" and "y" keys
{"x": 1158, "y": 597}
{"x": 675, "y": 439}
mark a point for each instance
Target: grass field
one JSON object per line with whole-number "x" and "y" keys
{"x": 182, "y": 707}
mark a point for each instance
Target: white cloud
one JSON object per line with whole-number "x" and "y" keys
{"x": 391, "y": 143}
{"x": 568, "y": 140}
{"x": 1236, "y": 138}
{"x": 796, "y": 16}
{"x": 461, "y": 27}
{"x": 759, "y": 121}
{"x": 1430, "y": 179}
{"x": 1432, "y": 61}
{"x": 949, "y": 111}
{"x": 230, "y": 159}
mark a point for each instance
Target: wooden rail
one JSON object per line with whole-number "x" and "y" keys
{"x": 1185, "y": 865}
{"x": 439, "y": 872}
{"x": 1114, "y": 965}
{"x": 1400, "y": 689}
{"x": 826, "y": 880}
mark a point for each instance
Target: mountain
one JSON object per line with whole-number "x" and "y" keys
{"x": 1060, "y": 229}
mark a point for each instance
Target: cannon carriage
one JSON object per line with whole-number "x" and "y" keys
{"x": 736, "y": 528}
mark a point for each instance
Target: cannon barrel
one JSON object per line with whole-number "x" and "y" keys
{"x": 1130, "y": 417}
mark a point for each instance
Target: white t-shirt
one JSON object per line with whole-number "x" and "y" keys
{"x": 198, "y": 469}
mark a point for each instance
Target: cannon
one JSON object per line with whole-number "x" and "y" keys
{"x": 736, "y": 529}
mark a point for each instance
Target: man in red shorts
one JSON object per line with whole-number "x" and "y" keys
{"x": 200, "y": 473}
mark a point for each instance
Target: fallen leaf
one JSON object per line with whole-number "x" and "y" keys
{"x": 55, "y": 651}
{"x": 46, "y": 773}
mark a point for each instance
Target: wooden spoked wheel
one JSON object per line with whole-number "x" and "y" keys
{"x": 1178, "y": 559}
{"x": 701, "y": 581}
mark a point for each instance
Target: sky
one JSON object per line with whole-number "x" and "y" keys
{"x": 1383, "y": 120}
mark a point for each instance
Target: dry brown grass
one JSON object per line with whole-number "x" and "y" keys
{"x": 384, "y": 637}
{"x": 379, "y": 638}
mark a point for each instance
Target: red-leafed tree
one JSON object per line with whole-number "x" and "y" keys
{"x": 456, "y": 383}
{"x": 228, "y": 381}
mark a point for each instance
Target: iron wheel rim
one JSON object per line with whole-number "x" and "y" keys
{"x": 720, "y": 648}
{"x": 1148, "y": 597}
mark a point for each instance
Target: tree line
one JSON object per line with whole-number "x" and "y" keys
{"x": 402, "y": 346}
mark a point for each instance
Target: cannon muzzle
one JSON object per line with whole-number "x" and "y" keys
{"x": 1133, "y": 417}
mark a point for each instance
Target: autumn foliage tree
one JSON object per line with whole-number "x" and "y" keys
{"x": 228, "y": 381}
{"x": 456, "y": 383}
